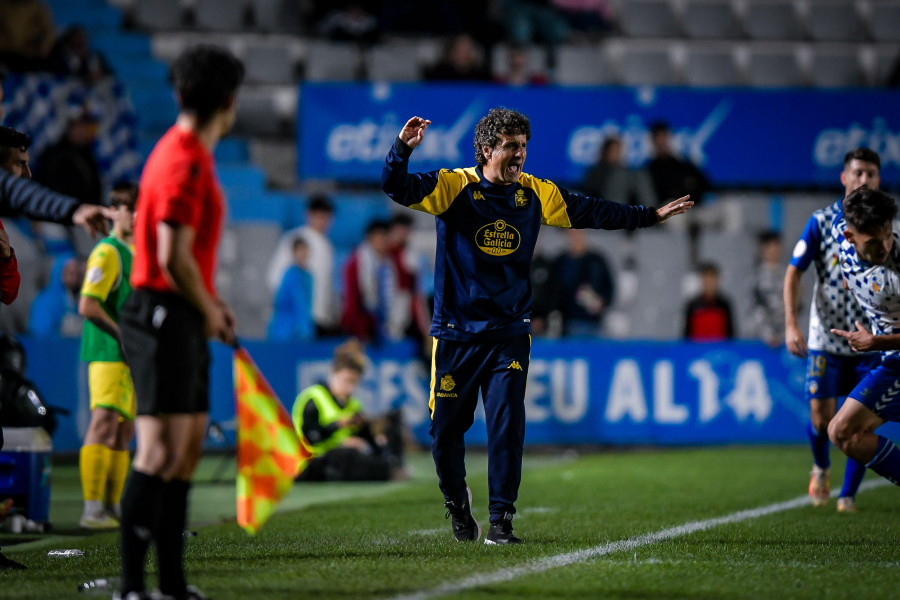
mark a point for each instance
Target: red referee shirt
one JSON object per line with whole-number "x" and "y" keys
{"x": 178, "y": 185}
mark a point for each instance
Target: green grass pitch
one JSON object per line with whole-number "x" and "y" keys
{"x": 349, "y": 541}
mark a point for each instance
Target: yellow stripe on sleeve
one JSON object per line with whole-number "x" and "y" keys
{"x": 553, "y": 206}
{"x": 101, "y": 272}
{"x": 449, "y": 185}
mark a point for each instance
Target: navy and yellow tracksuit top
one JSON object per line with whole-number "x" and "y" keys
{"x": 486, "y": 235}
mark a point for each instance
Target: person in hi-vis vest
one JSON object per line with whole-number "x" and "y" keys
{"x": 331, "y": 423}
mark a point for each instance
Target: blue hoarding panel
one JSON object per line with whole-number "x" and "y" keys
{"x": 599, "y": 392}
{"x": 738, "y": 136}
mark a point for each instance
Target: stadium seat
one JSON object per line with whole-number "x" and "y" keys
{"x": 277, "y": 16}
{"x": 247, "y": 177}
{"x": 884, "y": 21}
{"x": 232, "y": 150}
{"x": 155, "y": 107}
{"x": 834, "y": 21}
{"x": 332, "y": 61}
{"x": 773, "y": 67}
{"x": 220, "y": 15}
{"x": 93, "y": 18}
{"x": 583, "y": 65}
{"x": 711, "y": 67}
{"x": 648, "y": 18}
{"x": 640, "y": 65}
{"x": 156, "y": 15}
{"x": 268, "y": 63}
{"x": 536, "y": 57}
{"x": 772, "y": 20}
{"x": 839, "y": 67}
{"x": 352, "y": 214}
{"x": 710, "y": 19}
{"x": 116, "y": 44}
{"x": 260, "y": 112}
{"x": 662, "y": 260}
{"x": 393, "y": 62}
{"x": 248, "y": 205}
{"x": 885, "y": 59}
{"x": 139, "y": 71}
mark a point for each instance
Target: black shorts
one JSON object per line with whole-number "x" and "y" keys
{"x": 167, "y": 352}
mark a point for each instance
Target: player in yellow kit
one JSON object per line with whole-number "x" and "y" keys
{"x": 104, "y": 456}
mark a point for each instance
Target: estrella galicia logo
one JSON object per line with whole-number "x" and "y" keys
{"x": 498, "y": 238}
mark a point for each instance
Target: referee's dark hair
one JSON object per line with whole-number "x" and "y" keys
{"x": 206, "y": 78}
{"x": 868, "y": 211}
{"x": 863, "y": 154}
{"x": 10, "y": 140}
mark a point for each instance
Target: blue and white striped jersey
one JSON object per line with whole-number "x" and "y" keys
{"x": 832, "y": 306}
{"x": 875, "y": 287}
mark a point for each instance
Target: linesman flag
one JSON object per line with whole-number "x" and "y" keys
{"x": 269, "y": 453}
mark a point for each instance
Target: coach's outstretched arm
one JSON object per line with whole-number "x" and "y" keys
{"x": 24, "y": 197}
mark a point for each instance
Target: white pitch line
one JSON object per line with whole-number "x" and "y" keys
{"x": 580, "y": 556}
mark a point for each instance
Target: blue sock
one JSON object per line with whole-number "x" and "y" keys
{"x": 819, "y": 443}
{"x": 853, "y": 476}
{"x": 887, "y": 461}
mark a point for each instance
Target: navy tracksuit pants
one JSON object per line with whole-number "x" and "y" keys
{"x": 499, "y": 370}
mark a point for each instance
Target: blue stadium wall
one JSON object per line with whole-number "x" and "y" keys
{"x": 579, "y": 392}
{"x": 740, "y": 136}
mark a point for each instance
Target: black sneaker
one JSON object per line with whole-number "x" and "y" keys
{"x": 465, "y": 527}
{"x": 6, "y": 563}
{"x": 501, "y": 532}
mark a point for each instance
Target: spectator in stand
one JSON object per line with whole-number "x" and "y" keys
{"x": 612, "y": 180}
{"x": 767, "y": 314}
{"x": 27, "y": 34}
{"x": 370, "y": 284}
{"x": 673, "y": 176}
{"x": 54, "y": 311}
{"x": 583, "y": 284}
{"x": 72, "y": 55}
{"x": 319, "y": 217}
{"x": 292, "y": 315}
{"x": 461, "y": 60}
{"x": 707, "y": 317}
{"x": 586, "y": 16}
{"x": 349, "y": 22}
{"x": 408, "y": 314}
{"x": 69, "y": 166}
{"x": 518, "y": 71}
{"x": 530, "y": 21}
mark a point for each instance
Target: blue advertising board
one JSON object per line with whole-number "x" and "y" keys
{"x": 589, "y": 392}
{"x": 739, "y": 136}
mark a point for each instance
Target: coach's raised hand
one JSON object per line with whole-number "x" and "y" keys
{"x": 414, "y": 131}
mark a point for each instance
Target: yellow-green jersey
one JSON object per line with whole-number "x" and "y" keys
{"x": 106, "y": 279}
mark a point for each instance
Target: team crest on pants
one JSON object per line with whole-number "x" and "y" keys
{"x": 447, "y": 382}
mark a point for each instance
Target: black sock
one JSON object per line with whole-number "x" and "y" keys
{"x": 170, "y": 538}
{"x": 140, "y": 515}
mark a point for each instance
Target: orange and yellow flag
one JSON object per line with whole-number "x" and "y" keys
{"x": 269, "y": 453}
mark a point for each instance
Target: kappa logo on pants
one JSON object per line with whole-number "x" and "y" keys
{"x": 515, "y": 365}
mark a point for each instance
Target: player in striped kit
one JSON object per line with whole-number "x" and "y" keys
{"x": 869, "y": 241}
{"x": 833, "y": 368}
